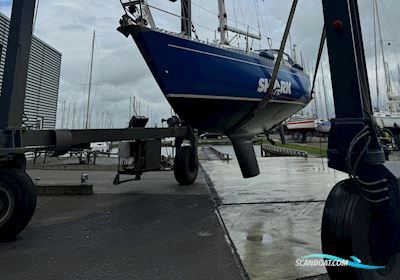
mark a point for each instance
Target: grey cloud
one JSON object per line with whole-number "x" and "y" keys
{"x": 123, "y": 65}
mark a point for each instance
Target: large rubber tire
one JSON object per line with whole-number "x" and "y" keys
{"x": 186, "y": 168}
{"x": 346, "y": 231}
{"x": 17, "y": 202}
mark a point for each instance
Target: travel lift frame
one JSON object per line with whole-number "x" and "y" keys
{"x": 362, "y": 214}
{"x": 17, "y": 191}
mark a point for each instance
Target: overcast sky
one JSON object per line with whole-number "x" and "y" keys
{"x": 120, "y": 72}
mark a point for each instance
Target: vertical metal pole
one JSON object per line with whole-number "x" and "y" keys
{"x": 130, "y": 106}
{"x": 398, "y": 70}
{"x": 90, "y": 83}
{"x": 387, "y": 75}
{"x": 378, "y": 105}
{"x": 351, "y": 92}
{"x": 325, "y": 92}
{"x": 73, "y": 117}
{"x": 67, "y": 120}
{"x": 222, "y": 21}
{"x": 63, "y": 114}
{"x": 347, "y": 59}
{"x": 12, "y": 97}
{"x": 134, "y": 106}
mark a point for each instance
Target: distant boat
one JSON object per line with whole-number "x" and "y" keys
{"x": 101, "y": 147}
{"x": 323, "y": 126}
{"x": 301, "y": 124}
{"x": 215, "y": 87}
{"x": 388, "y": 117}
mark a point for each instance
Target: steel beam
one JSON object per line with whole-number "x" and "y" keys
{"x": 12, "y": 97}
{"x": 351, "y": 92}
{"x": 76, "y": 138}
{"x": 347, "y": 59}
{"x": 353, "y": 143}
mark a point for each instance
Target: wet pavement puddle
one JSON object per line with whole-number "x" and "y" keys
{"x": 275, "y": 218}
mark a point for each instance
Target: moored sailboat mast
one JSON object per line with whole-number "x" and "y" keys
{"x": 87, "y": 124}
{"x": 377, "y": 17}
{"x": 325, "y": 93}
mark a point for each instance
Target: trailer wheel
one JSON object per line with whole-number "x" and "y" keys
{"x": 346, "y": 232}
{"x": 17, "y": 202}
{"x": 185, "y": 166}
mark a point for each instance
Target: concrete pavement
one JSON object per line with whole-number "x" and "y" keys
{"x": 275, "y": 218}
{"x": 153, "y": 229}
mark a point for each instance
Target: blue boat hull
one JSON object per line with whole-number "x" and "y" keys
{"x": 213, "y": 88}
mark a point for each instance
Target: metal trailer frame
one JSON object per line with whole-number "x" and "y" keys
{"x": 362, "y": 214}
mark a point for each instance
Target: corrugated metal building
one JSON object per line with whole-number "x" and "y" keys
{"x": 43, "y": 80}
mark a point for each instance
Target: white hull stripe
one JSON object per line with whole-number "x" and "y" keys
{"x": 287, "y": 102}
{"x": 234, "y": 59}
{"x": 213, "y": 97}
{"x": 230, "y": 98}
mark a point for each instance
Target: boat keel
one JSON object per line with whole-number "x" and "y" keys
{"x": 243, "y": 146}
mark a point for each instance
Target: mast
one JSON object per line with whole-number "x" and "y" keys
{"x": 389, "y": 77}
{"x": 376, "y": 59}
{"x": 90, "y": 81}
{"x": 73, "y": 117}
{"x": 301, "y": 59}
{"x": 293, "y": 47}
{"x": 388, "y": 91}
{"x": 325, "y": 93}
{"x": 130, "y": 106}
{"x": 63, "y": 114}
{"x": 134, "y": 105}
{"x": 294, "y": 53}
{"x": 316, "y": 105}
{"x": 224, "y": 27}
{"x": 67, "y": 121}
{"x": 186, "y": 14}
{"x": 222, "y": 22}
{"x": 319, "y": 103}
{"x": 398, "y": 70}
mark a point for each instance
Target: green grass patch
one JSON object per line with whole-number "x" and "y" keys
{"x": 308, "y": 149}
